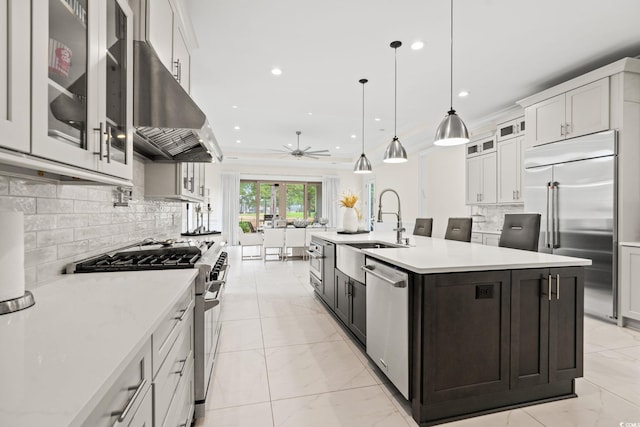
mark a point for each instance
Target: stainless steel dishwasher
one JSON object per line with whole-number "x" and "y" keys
{"x": 388, "y": 321}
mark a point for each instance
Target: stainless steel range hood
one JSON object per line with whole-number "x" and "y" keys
{"x": 169, "y": 125}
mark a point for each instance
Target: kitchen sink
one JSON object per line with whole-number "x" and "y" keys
{"x": 375, "y": 245}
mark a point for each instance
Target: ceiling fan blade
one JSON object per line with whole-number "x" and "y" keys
{"x": 319, "y": 153}
{"x": 311, "y": 157}
{"x": 309, "y": 147}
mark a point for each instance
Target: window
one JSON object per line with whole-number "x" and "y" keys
{"x": 265, "y": 201}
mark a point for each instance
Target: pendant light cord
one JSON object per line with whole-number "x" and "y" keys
{"x": 451, "y": 69}
{"x": 363, "y": 117}
{"x": 395, "y": 93}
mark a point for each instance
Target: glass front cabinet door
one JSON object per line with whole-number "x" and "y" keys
{"x": 82, "y": 67}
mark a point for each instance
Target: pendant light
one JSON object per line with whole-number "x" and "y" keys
{"x": 362, "y": 164}
{"x": 452, "y": 130}
{"x": 395, "y": 151}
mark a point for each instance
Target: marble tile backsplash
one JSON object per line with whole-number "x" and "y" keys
{"x": 491, "y": 217}
{"x": 67, "y": 222}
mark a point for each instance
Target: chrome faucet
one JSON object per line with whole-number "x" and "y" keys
{"x": 398, "y": 215}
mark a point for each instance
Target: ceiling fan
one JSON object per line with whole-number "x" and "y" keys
{"x": 298, "y": 153}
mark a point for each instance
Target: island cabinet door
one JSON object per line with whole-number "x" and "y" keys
{"x": 358, "y": 312}
{"x": 529, "y": 327}
{"x": 342, "y": 296}
{"x": 465, "y": 319}
{"x": 566, "y": 324}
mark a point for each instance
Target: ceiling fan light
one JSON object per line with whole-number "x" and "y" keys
{"x": 451, "y": 131}
{"x": 362, "y": 165}
{"x": 395, "y": 152}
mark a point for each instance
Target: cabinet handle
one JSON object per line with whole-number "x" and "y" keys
{"x": 567, "y": 128}
{"x": 109, "y": 135}
{"x": 549, "y": 293}
{"x": 557, "y": 286}
{"x": 191, "y": 184}
{"x": 562, "y": 130}
{"x": 178, "y": 74}
{"x": 101, "y": 131}
{"x": 346, "y": 285}
{"x": 184, "y": 364}
{"x": 131, "y": 401}
{"x": 513, "y": 195}
{"x": 184, "y": 312}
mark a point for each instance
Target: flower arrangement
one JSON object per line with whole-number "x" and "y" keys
{"x": 349, "y": 200}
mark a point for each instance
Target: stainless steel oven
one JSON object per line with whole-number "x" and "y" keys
{"x": 316, "y": 258}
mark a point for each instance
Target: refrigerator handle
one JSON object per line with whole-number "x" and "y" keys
{"x": 547, "y": 243}
{"x": 556, "y": 214}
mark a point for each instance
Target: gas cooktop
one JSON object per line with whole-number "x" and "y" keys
{"x": 147, "y": 255}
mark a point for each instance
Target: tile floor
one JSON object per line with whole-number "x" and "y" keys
{"x": 284, "y": 362}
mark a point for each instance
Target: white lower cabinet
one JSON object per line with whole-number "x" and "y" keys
{"x": 630, "y": 282}
{"x": 489, "y": 239}
{"x": 126, "y": 401}
{"x": 157, "y": 387}
{"x": 176, "y": 370}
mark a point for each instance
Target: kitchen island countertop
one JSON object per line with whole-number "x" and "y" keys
{"x": 60, "y": 356}
{"x": 428, "y": 255}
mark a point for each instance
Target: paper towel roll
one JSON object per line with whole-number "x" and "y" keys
{"x": 11, "y": 255}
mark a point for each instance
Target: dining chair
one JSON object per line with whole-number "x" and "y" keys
{"x": 520, "y": 231}
{"x": 294, "y": 238}
{"x": 273, "y": 239}
{"x": 248, "y": 240}
{"x": 423, "y": 227}
{"x": 459, "y": 229}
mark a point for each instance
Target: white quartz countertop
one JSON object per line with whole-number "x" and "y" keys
{"x": 60, "y": 356}
{"x": 427, "y": 255}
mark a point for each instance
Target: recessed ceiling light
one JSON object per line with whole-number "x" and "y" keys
{"x": 337, "y": 147}
{"x": 377, "y": 119}
{"x": 276, "y": 71}
{"x": 354, "y": 136}
{"x": 234, "y": 106}
{"x": 290, "y": 145}
{"x": 417, "y": 45}
{"x": 238, "y": 141}
{"x": 310, "y": 113}
{"x": 236, "y": 127}
{"x": 463, "y": 93}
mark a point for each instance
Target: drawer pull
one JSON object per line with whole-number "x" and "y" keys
{"x": 130, "y": 403}
{"x": 184, "y": 364}
{"x": 185, "y": 312}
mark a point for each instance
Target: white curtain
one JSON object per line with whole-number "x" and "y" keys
{"x": 230, "y": 206}
{"x": 330, "y": 186}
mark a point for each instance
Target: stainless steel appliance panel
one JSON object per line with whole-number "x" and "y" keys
{"x": 537, "y": 199}
{"x": 572, "y": 185}
{"x": 388, "y": 329}
{"x": 584, "y": 211}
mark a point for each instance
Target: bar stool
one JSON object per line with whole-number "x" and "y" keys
{"x": 423, "y": 227}
{"x": 520, "y": 231}
{"x": 273, "y": 239}
{"x": 459, "y": 229}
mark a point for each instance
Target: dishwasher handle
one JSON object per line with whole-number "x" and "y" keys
{"x": 370, "y": 269}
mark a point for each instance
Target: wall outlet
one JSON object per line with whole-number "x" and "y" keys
{"x": 484, "y": 291}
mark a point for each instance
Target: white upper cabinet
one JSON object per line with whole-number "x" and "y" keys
{"x": 166, "y": 36}
{"x": 179, "y": 181}
{"x": 160, "y": 29}
{"x": 510, "y": 129}
{"x": 575, "y": 113}
{"x": 82, "y": 82}
{"x": 14, "y": 74}
{"x": 181, "y": 60}
{"x": 510, "y": 156}
{"x": 481, "y": 179}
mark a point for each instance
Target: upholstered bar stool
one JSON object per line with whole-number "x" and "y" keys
{"x": 520, "y": 231}
{"x": 459, "y": 229}
{"x": 423, "y": 227}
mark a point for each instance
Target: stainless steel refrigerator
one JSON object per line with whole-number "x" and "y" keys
{"x": 572, "y": 184}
